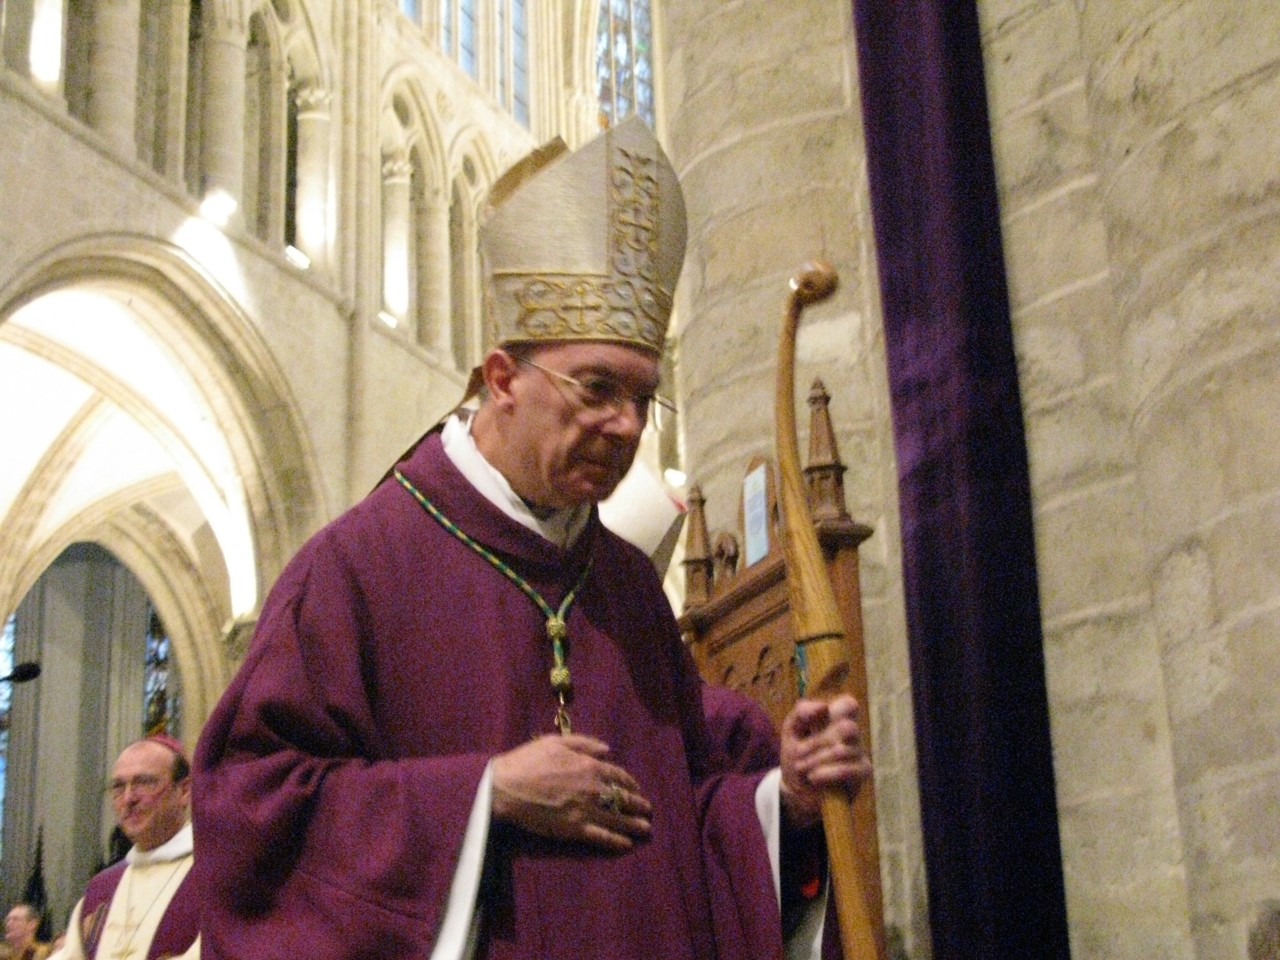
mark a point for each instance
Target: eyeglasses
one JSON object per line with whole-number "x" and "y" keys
{"x": 602, "y": 395}
{"x": 145, "y": 785}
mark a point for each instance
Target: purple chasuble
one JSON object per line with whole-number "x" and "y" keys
{"x": 391, "y": 662}
{"x": 174, "y": 935}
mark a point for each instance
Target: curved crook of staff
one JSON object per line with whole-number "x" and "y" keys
{"x": 816, "y": 619}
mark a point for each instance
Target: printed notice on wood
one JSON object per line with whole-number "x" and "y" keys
{"x": 755, "y": 514}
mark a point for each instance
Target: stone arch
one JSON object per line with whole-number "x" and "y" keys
{"x": 420, "y": 123}
{"x": 307, "y": 59}
{"x": 415, "y": 214}
{"x": 273, "y": 500}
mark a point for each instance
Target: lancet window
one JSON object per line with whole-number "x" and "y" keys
{"x": 624, "y": 61}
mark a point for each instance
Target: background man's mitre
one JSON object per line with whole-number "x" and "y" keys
{"x": 585, "y": 245}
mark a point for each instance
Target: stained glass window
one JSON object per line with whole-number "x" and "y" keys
{"x": 161, "y": 690}
{"x": 6, "y": 699}
{"x": 624, "y": 61}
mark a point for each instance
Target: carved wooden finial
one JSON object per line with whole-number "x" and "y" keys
{"x": 697, "y": 552}
{"x": 825, "y": 472}
{"x": 724, "y": 558}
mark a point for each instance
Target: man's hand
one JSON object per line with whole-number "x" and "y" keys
{"x": 562, "y": 787}
{"x": 821, "y": 748}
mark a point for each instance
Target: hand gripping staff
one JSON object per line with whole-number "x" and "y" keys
{"x": 819, "y": 631}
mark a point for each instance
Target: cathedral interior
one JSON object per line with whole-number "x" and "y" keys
{"x": 239, "y": 274}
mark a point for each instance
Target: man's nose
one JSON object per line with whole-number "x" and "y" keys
{"x": 629, "y": 417}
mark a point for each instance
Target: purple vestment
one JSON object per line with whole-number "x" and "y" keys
{"x": 175, "y": 933}
{"x": 390, "y": 664}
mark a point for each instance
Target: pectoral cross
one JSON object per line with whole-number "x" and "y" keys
{"x": 124, "y": 948}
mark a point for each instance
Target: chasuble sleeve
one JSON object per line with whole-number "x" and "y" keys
{"x": 315, "y": 835}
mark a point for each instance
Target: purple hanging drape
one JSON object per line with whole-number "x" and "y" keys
{"x": 977, "y": 665}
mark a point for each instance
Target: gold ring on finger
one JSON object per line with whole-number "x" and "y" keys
{"x": 611, "y": 798}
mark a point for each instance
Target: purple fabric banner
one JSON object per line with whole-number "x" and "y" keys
{"x": 977, "y": 666}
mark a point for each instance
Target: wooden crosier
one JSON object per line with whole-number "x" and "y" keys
{"x": 819, "y": 631}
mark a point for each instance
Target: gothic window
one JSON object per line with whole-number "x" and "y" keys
{"x": 490, "y": 41}
{"x": 512, "y": 22}
{"x": 458, "y": 21}
{"x": 161, "y": 689}
{"x": 411, "y": 10}
{"x": 624, "y": 61}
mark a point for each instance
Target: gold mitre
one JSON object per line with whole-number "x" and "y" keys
{"x": 585, "y": 245}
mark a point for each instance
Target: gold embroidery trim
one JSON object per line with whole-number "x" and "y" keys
{"x": 628, "y": 305}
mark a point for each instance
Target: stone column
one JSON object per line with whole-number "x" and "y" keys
{"x": 271, "y": 189}
{"x": 15, "y": 34}
{"x": 311, "y": 216}
{"x": 464, "y": 282}
{"x": 170, "y": 136}
{"x": 434, "y": 299}
{"x": 397, "y": 265}
{"x": 113, "y": 72}
{"x": 222, "y": 102}
{"x": 763, "y": 126}
{"x": 1183, "y": 99}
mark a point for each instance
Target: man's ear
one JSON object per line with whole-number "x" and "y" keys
{"x": 498, "y": 369}
{"x": 184, "y": 791}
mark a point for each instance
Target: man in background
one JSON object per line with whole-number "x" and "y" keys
{"x": 20, "y": 926}
{"x": 144, "y": 906}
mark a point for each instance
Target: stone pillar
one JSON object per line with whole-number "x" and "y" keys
{"x": 397, "y": 255}
{"x": 464, "y": 281}
{"x": 222, "y": 102}
{"x": 1122, "y": 847}
{"x": 1183, "y": 99}
{"x": 311, "y": 216}
{"x": 272, "y": 150}
{"x": 583, "y": 120}
{"x": 113, "y": 72}
{"x": 165, "y": 136}
{"x": 15, "y": 34}
{"x": 763, "y": 126}
{"x": 434, "y": 301}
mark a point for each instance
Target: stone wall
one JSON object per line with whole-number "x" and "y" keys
{"x": 1135, "y": 144}
{"x": 763, "y": 126}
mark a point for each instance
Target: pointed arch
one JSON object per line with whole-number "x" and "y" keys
{"x": 415, "y": 249}
{"x": 269, "y": 492}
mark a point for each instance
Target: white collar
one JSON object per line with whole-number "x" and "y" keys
{"x": 562, "y": 527}
{"x": 180, "y": 845}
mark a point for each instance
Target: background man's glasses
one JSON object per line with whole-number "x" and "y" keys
{"x": 143, "y": 785}
{"x": 602, "y": 395}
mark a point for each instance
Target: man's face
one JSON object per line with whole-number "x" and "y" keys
{"x": 20, "y": 927}
{"x": 149, "y": 806}
{"x": 569, "y": 452}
